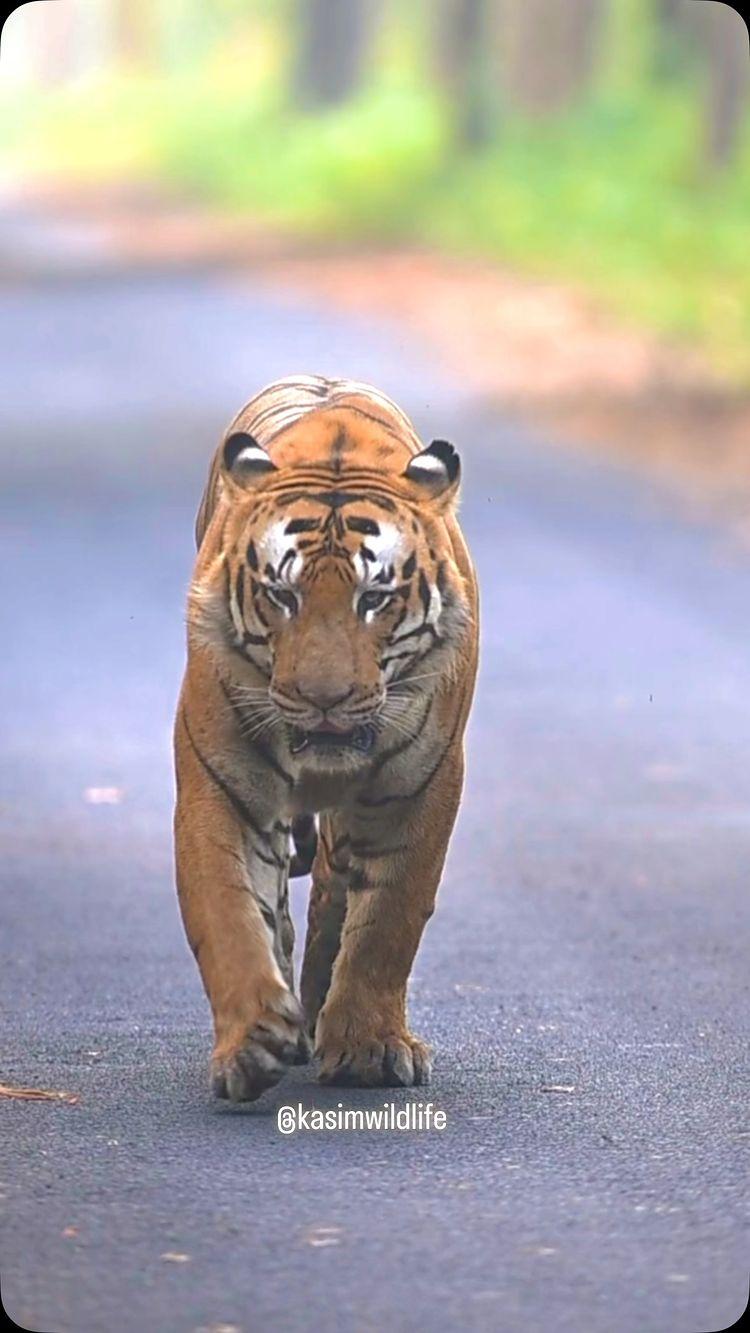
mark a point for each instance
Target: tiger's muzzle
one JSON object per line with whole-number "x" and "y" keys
{"x": 325, "y": 727}
{"x": 361, "y": 739}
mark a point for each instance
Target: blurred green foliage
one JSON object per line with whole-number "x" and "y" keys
{"x": 611, "y": 191}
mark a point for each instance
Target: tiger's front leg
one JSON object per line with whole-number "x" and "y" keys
{"x": 232, "y": 900}
{"x": 397, "y": 855}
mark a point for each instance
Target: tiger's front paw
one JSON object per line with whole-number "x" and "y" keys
{"x": 377, "y": 1060}
{"x": 254, "y": 1058}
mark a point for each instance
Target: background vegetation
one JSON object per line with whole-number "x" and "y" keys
{"x": 599, "y": 141}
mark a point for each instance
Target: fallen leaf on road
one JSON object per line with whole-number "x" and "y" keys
{"x": 174, "y": 1257}
{"x": 38, "y": 1095}
{"x": 103, "y": 795}
{"x": 320, "y": 1237}
{"x": 70, "y": 1231}
{"x": 558, "y": 1087}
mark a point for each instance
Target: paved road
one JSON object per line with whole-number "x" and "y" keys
{"x": 585, "y": 978}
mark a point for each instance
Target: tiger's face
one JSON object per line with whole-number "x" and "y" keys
{"x": 341, "y": 592}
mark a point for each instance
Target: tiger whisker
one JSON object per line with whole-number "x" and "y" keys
{"x": 402, "y": 683}
{"x": 256, "y": 721}
{"x": 402, "y": 730}
{"x": 398, "y": 706}
{"x": 399, "y": 726}
{"x": 264, "y": 725}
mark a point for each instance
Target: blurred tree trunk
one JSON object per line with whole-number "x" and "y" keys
{"x": 461, "y": 46}
{"x": 551, "y": 48}
{"x": 727, "y": 49}
{"x": 335, "y": 38}
{"x": 670, "y": 13}
{"x": 670, "y": 37}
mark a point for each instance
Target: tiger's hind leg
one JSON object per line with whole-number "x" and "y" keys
{"x": 284, "y": 936}
{"x": 284, "y": 952}
{"x": 325, "y": 918}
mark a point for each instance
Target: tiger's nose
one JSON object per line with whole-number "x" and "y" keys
{"x": 324, "y": 694}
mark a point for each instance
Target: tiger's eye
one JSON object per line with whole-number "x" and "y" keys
{"x": 284, "y": 598}
{"x": 372, "y": 600}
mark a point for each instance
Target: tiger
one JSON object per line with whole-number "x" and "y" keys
{"x": 332, "y": 644}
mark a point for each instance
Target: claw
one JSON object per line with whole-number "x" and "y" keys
{"x": 395, "y": 1062}
{"x": 271, "y": 1045}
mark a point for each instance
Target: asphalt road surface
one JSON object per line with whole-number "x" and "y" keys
{"x": 585, "y": 977}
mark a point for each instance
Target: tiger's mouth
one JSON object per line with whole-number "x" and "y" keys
{"x": 361, "y": 739}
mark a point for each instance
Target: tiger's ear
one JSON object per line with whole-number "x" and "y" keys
{"x": 245, "y": 461}
{"x": 436, "y": 471}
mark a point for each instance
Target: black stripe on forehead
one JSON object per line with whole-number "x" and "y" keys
{"x": 367, "y": 526}
{"x": 337, "y": 499}
{"x": 302, "y": 525}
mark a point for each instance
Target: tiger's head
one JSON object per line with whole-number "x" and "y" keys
{"x": 335, "y": 583}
